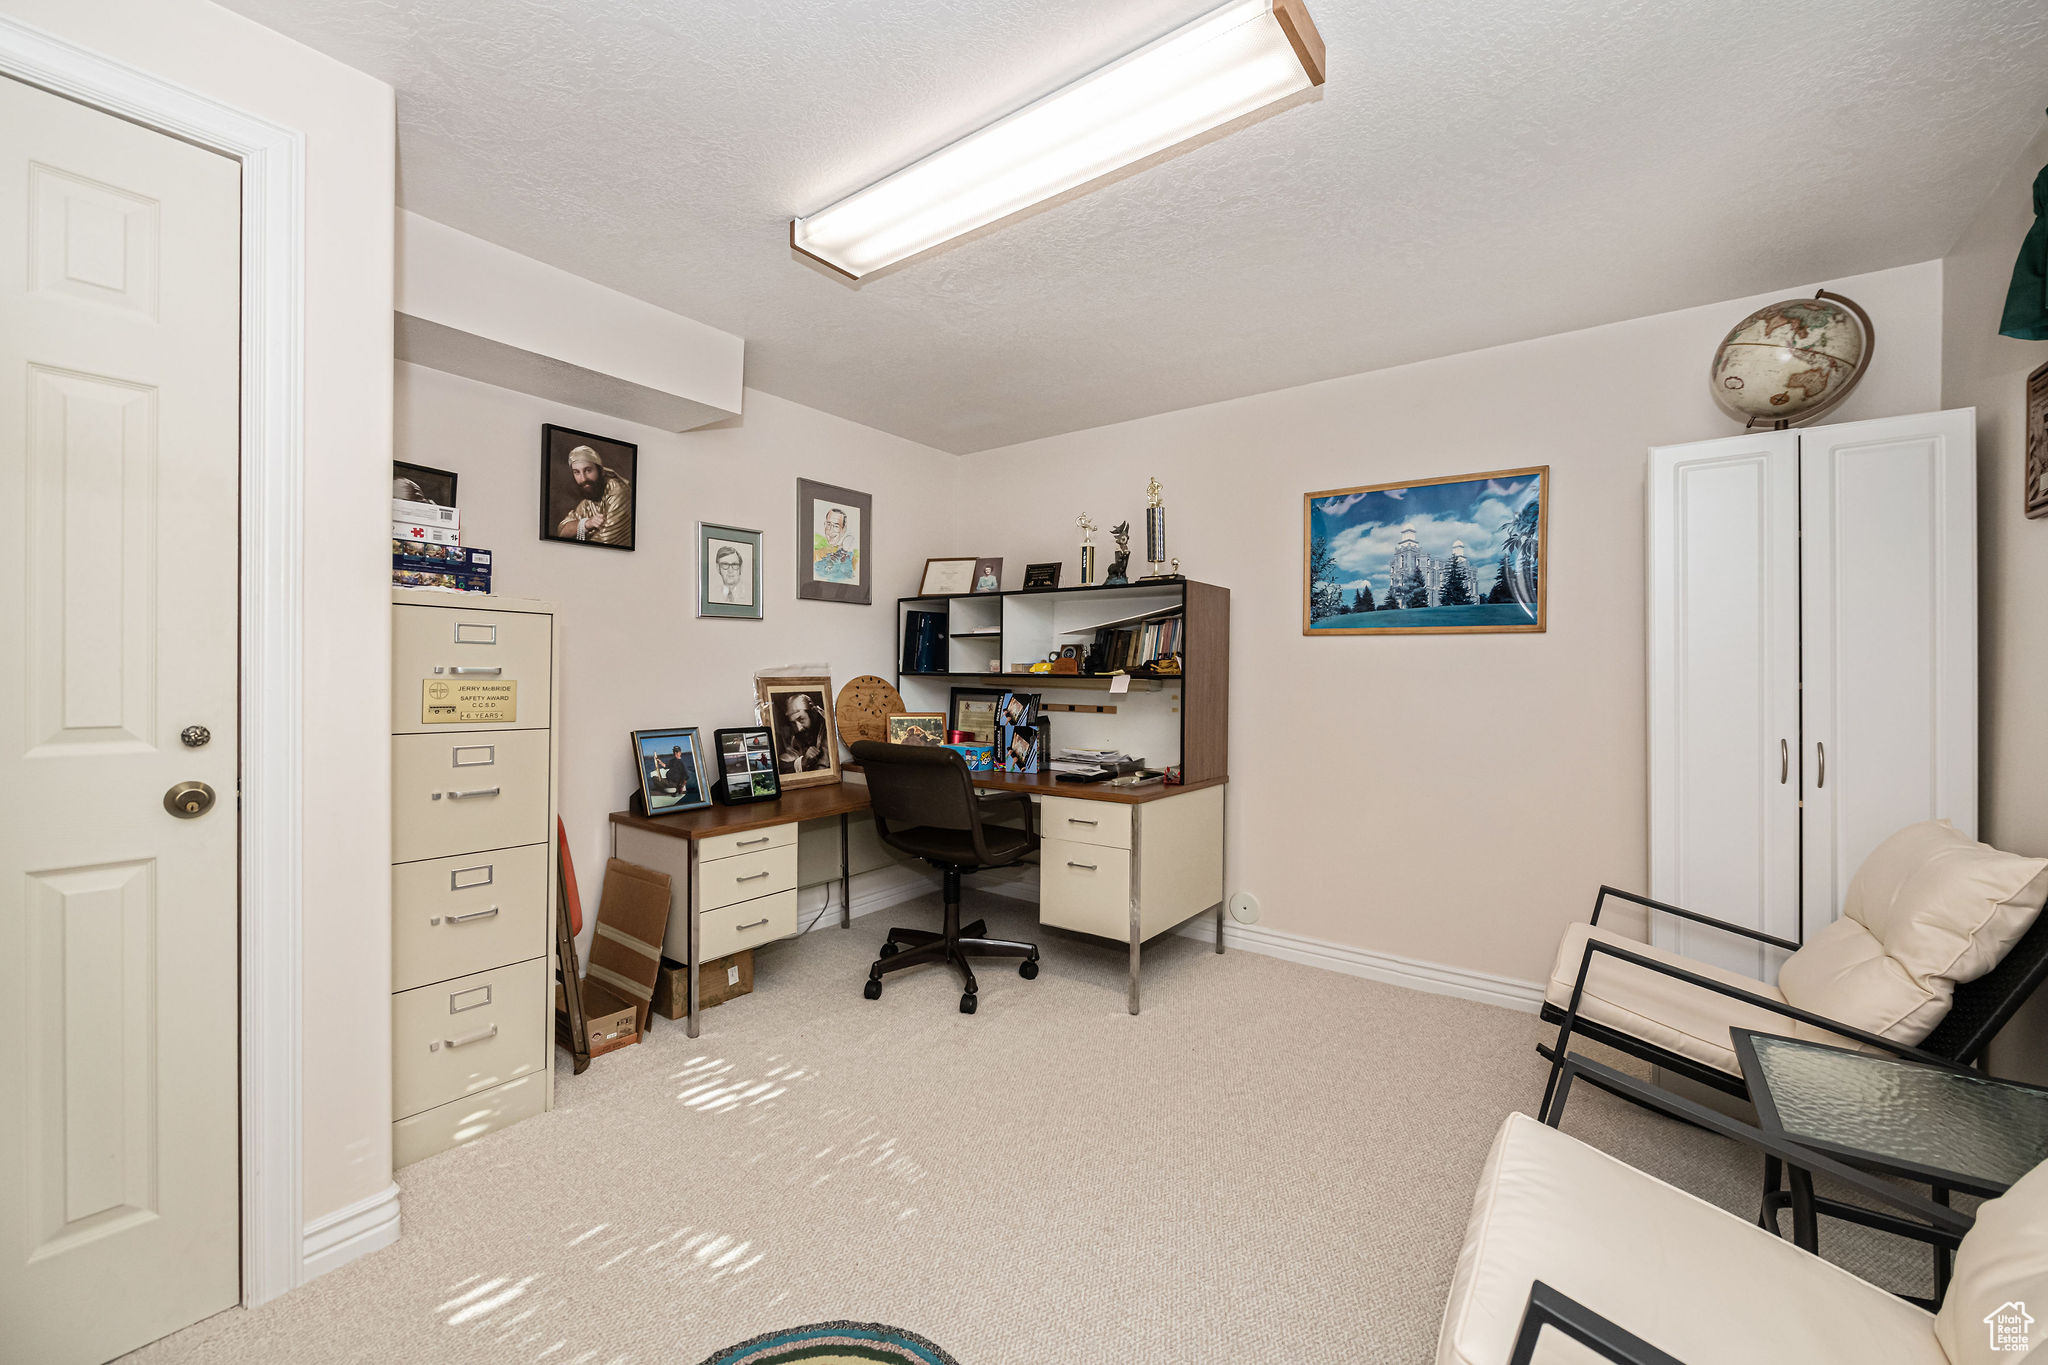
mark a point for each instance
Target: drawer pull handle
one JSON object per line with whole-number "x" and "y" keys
{"x": 474, "y": 914}
{"x": 1085, "y": 867}
{"x": 477, "y": 671}
{"x": 487, "y": 1031}
{"x": 745, "y": 842}
{"x": 755, "y": 925}
{"x": 1072, "y": 821}
{"x": 753, "y": 876}
{"x": 474, "y": 792}
{"x": 477, "y": 634}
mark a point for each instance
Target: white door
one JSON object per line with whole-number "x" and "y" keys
{"x": 1723, "y": 542}
{"x": 1889, "y": 517}
{"x": 119, "y": 1188}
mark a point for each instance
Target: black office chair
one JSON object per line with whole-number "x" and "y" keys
{"x": 924, "y": 804}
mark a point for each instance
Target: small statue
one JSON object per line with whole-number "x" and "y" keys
{"x": 1119, "y": 567}
{"x": 1155, "y": 529}
{"x": 1087, "y": 525}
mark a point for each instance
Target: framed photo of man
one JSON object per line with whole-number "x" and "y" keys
{"x": 587, "y": 488}
{"x": 798, "y": 713}
{"x": 834, "y": 541}
{"x": 419, "y": 483}
{"x": 728, "y": 572}
{"x": 671, "y": 770}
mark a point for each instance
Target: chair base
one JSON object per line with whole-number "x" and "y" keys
{"x": 953, "y": 945}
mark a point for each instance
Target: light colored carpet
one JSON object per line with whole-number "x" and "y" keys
{"x": 1271, "y": 1163}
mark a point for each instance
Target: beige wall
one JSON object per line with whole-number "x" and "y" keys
{"x": 347, "y": 120}
{"x": 635, "y": 656}
{"x": 1984, "y": 370}
{"x": 1454, "y": 799}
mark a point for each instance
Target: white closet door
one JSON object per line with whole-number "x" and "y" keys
{"x": 1724, "y": 692}
{"x": 1890, "y": 592}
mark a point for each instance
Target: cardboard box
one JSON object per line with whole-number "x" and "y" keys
{"x": 718, "y": 981}
{"x": 625, "y": 954}
{"x": 609, "y": 1020}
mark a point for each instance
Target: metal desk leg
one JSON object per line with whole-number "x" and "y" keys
{"x": 1137, "y": 933}
{"x": 1225, "y": 902}
{"x": 689, "y": 900}
{"x": 845, "y": 877}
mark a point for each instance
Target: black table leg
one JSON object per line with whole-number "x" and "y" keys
{"x": 1944, "y": 1259}
{"x": 1767, "y": 1214}
{"x": 845, "y": 878}
{"x": 1805, "y": 1221}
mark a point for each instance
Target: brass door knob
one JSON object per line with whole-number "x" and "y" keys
{"x": 189, "y": 800}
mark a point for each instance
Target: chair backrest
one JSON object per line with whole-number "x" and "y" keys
{"x": 1984, "y": 1006}
{"x": 915, "y": 785}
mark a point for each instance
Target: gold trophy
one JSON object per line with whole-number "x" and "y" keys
{"x": 1087, "y": 525}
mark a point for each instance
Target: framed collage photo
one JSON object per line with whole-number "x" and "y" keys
{"x": 835, "y": 530}
{"x": 798, "y": 714}
{"x": 671, "y": 768}
{"x": 728, "y": 572}
{"x": 587, "y": 488}
{"x": 746, "y": 765}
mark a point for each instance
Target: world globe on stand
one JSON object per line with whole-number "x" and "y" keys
{"x": 1793, "y": 361}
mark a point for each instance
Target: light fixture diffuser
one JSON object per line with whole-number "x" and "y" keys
{"x": 1225, "y": 64}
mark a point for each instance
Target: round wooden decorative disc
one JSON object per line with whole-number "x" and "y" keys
{"x": 864, "y": 708}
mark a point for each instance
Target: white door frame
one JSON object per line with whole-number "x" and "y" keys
{"x": 272, "y": 371}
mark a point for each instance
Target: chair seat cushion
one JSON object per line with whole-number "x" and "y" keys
{"x": 1689, "y": 1278}
{"x": 1672, "y": 1014}
{"x": 1005, "y": 845}
{"x": 2001, "y": 1269}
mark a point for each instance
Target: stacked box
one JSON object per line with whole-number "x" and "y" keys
{"x": 427, "y": 550}
{"x": 1020, "y": 732}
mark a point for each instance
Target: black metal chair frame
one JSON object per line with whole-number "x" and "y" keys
{"x": 1979, "y": 1009}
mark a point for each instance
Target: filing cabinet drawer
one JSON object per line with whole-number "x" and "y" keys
{"x": 751, "y": 841}
{"x": 745, "y": 877}
{"x": 467, "y": 1035}
{"x": 1084, "y": 887}
{"x": 469, "y": 913}
{"x": 746, "y": 925}
{"x": 466, "y": 1120}
{"x": 1107, "y": 823}
{"x": 466, "y": 644}
{"x": 457, "y": 792}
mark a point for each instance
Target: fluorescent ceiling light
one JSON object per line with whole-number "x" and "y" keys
{"x": 1231, "y": 61}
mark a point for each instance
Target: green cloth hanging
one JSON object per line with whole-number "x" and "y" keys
{"x": 2026, "y": 303}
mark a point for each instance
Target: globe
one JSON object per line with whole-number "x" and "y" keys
{"x": 1792, "y": 361}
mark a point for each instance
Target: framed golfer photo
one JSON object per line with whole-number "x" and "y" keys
{"x": 671, "y": 768}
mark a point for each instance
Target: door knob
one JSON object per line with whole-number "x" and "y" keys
{"x": 189, "y": 800}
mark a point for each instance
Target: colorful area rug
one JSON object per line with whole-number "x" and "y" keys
{"x": 834, "y": 1343}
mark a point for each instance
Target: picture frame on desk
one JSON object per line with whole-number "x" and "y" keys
{"x": 670, "y": 764}
{"x": 798, "y": 714}
{"x": 973, "y": 711}
{"x": 746, "y": 765}
{"x": 926, "y": 729}
{"x": 1042, "y": 577}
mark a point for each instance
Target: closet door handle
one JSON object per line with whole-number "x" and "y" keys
{"x": 1784, "y": 761}
{"x": 487, "y": 1031}
{"x": 1822, "y": 750}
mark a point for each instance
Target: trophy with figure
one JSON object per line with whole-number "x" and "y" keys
{"x": 1155, "y": 534}
{"x": 1087, "y": 525}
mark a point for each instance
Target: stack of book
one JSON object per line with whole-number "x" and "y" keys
{"x": 1136, "y": 646}
{"x": 427, "y": 550}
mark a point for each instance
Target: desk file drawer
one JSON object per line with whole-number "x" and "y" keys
{"x": 466, "y": 1120}
{"x": 469, "y": 913}
{"x": 467, "y": 1035}
{"x": 1107, "y": 823}
{"x": 460, "y": 792}
{"x": 745, "y": 877}
{"x": 751, "y": 841}
{"x": 746, "y": 925}
{"x": 1084, "y": 887}
{"x": 486, "y": 646}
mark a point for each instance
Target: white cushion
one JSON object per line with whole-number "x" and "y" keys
{"x": 1691, "y": 1279}
{"x": 2003, "y": 1264}
{"x": 1672, "y": 1014}
{"x": 1929, "y": 908}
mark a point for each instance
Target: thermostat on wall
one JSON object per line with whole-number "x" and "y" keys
{"x": 1244, "y": 908}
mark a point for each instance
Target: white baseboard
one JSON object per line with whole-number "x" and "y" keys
{"x": 335, "y": 1239}
{"x": 1416, "y": 975}
{"x": 872, "y": 891}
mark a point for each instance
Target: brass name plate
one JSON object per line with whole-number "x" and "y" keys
{"x": 460, "y": 701}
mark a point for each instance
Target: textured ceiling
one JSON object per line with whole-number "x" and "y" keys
{"x": 1473, "y": 173}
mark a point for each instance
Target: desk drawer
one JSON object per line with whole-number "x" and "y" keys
{"x": 1085, "y": 887}
{"x": 745, "y": 877}
{"x": 746, "y": 925}
{"x": 469, "y": 913}
{"x": 429, "y": 644}
{"x": 467, "y": 1035}
{"x": 750, "y": 841}
{"x": 460, "y": 792}
{"x": 466, "y": 1120}
{"x": 1105, "y": 823}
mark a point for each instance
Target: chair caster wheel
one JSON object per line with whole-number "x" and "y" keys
{"x": 890, "y": 950}
{"x": 967, "y": 1003}
{"x": 873, "y": 990}
{"x": 1028, "y": 969}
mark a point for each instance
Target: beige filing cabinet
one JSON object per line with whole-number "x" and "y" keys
{"x": 473, "y": 765}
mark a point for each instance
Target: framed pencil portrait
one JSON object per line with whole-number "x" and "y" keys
{"x": 1465, "y": 555}
{"x": 728, "y": 572}
{"x": 835, "y": 530}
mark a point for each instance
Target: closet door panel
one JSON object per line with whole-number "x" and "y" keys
{"x": 1889, "y": 600}
{"x": 1724, "y": 692}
